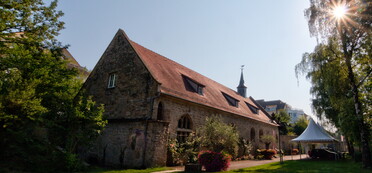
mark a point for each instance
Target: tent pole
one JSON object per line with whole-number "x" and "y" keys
{"x": 300, "y": 149}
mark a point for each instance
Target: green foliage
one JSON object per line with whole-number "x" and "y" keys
{"x": 340, "y": 70}
{"x": 42, "y": 119}
{"x": 186, "y": 152}
{"x": 331, "y": 89}
{"x": 283, "y": 119}
{"x": 267, "y": 140}
{"x": 214, "y": 135}
{"x": 218, "y": 136}
{"x": 300, "y": 125}
{"x": 245, "y": 147}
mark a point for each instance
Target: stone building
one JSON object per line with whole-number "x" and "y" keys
{"x": 149, "y": 98}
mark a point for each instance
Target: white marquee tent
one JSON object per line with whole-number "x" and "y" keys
{"x": 314, "y": 133}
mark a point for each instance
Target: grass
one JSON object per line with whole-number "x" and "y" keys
{"x": 103, "y": 170}
{"x": 299, "y": 166}
{"x": 311, "y": 166}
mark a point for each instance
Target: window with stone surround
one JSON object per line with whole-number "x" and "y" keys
{"x": 112, "y": 80}
{"x": 253, "y": 134}
{"x": 184, "y": 128}
{"x": 160, "y": 114}
{"x": 260, "y": 134}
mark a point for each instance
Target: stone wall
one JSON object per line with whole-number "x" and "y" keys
{"x": 175, "y": 108}
{"x": 131, "y": 98}
{"x": 287, "y": 144}
{"x": 128, "y": 107}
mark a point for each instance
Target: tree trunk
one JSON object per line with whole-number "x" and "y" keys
{"x": 350, "y": 147}
{"x": 364, "y": 132}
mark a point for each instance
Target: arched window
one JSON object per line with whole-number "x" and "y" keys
{"x": 184, "y": 128}
{"x": 260, "y": 134}
{"x": 253, "y": 134}
{"x": 160, "y": 115}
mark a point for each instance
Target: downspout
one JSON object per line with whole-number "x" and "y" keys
{"x": 146, "y": 127}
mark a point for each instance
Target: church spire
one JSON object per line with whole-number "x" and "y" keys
{"x": 242, "y": 90}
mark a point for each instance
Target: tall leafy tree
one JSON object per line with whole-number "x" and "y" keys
{"x": 283, "y": 119}
{"x": 300, "y": 125}
{"x": 43, "y": 121}
{"x": 340, "y": 66}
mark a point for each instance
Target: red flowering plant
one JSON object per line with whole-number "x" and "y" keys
{"x": 214, "y": 161}
{"x": 295, "y": 151}
{"x": 265, "y": 154}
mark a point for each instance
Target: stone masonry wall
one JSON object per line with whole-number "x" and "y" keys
{"x": 128, "y": 107}
{"x": 135, "y": 87}
{"x": 174, "y": 109}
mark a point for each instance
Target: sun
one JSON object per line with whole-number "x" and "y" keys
{"x": 339, "y": 11}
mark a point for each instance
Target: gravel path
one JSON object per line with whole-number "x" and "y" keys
{"x": 244, "y": 163}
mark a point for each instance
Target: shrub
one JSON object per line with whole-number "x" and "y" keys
{"x": 245, "y": 147}
{"x": 295, "y": 151}
{"x": 265, "y": 154}
{"x": 182, "y": 153}
{"x": 174, "y": 151}
{"x": 218, "y": 136}
{"x": 73, "y": 163}
{"x": 213, "y": 161}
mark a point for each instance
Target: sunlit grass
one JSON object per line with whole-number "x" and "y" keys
{"x": 313, "y": 166}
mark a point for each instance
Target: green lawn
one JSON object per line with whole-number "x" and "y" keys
{"x": 301, "y": 166}
{"x": 102, "y": 170}
{"x": 312, "y": 166}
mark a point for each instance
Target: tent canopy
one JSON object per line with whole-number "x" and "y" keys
{"x": 314, "y": 133}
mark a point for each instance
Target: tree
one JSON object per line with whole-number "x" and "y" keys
{"x": 345, "y": 46}
{"x": 218, "y": 136}
{"x": 43, "y": 121}
{"x": 267, "y": 140}
{"x": 300, "y": 125}
{"x": 283, "y": 119}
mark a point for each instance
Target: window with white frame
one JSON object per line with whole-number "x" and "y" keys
{"x": 112, "y": 80}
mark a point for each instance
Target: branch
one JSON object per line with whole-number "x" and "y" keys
{"x": 361, "y": 82}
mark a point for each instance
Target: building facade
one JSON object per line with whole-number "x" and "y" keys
{"x": 274, "y": 106}
{"x": 149, "y": 99}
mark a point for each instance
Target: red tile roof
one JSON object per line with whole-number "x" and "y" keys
{"x": 169, "y": 74}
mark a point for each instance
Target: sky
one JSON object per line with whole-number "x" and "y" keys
{"x": 212, "y": 37}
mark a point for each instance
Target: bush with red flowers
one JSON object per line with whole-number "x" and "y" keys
{"x": 213, "y": 161}
{"x": 265, "y": 154}
{"x": 295, "y": 151}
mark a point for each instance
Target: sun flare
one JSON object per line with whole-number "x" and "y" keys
{"x": 339, "y": 11}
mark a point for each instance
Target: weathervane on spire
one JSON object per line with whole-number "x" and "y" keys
{"x": 242, "y": 90}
